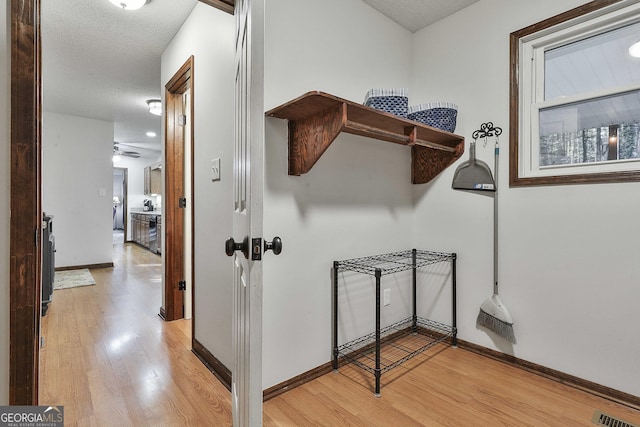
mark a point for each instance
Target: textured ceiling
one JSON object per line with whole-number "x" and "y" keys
{"x": 102, "y": 62}
{"x": 417, "y": 14}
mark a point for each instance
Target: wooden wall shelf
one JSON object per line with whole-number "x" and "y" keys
{"x": 317, "y": 118}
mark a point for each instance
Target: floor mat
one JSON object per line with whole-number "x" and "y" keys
{"x": 73, "y": 278}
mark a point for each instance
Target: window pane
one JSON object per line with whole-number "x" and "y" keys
{"x": 580, "y": 132}
{"x": 594, "y": 63}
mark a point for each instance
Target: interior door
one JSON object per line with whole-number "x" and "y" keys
{"x": 246, "y": 383}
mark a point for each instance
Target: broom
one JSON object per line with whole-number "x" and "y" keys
{"x": 493, "y": 315}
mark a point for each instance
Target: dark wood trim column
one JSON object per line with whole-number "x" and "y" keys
{"x": 26, "y": 230}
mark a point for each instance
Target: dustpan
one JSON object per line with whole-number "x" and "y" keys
{"x": 473, "y": 174}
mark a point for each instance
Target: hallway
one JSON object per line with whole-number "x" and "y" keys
{"x": 110, "y": 360}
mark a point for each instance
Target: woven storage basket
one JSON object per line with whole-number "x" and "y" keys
{"x": 394, "y": 101}
{"x": 441, "y": 115}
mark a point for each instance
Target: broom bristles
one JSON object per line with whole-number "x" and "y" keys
{"x": 500, "y": 328}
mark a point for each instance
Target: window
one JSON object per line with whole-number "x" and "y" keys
{"x": 575, "y": 97}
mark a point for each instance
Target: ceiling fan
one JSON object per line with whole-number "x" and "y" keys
{"x": 118, "y": 152}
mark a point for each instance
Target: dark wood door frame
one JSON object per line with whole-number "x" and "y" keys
{"x": 24, "y": 257}
{"x": 25, "y": 236}
{"x": 174, "y": 175}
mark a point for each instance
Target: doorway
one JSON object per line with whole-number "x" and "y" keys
{"x": 120, "y": 191}
{"x": 25, "y": 146}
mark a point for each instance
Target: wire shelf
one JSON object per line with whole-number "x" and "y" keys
{"x": 392, "y": 262}
{"x": 390, "y": 346}
{"x": 399, "y": 343}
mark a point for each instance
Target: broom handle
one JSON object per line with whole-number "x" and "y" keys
{"x": 495, "y": 221}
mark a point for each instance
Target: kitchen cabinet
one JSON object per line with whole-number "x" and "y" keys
{"x": 159, "y": 231}
{"x": 144, "y": 235}
{"x": 135, "y": 233}
{"x": 147, "y": 180}
{"x": 153, "y": 179}
{"x": 136, "y": 226}
{"x": 140, "y": 228}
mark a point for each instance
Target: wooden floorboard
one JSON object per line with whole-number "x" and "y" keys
{"x": 111, "y": 361}
{"x": 444, "y": 387}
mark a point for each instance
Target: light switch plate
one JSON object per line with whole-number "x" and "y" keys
{"x": 102, "y": 192}
{"x": 215, "y": 169}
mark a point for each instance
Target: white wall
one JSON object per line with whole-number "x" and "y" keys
{"x": 77, "y": 187}
{"x": 357, "y": 200}
{"x": 5, "y": 192}
{"x": 208, "y": 35}
{"x": 568, "y": 254}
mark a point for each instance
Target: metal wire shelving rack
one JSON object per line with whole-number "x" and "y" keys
{"x": 390, "y": 346}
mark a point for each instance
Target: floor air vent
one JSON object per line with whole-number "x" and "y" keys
{"x": 602, "y": 419}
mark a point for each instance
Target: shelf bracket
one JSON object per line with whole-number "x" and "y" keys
{"x": 427, "y": 162}
{"x": 309, "y": 137}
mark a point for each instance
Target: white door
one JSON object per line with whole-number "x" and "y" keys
{"x": 246, "y": 384}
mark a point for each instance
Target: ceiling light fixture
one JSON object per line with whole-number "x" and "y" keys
{"x": 151, "y": 134}
{"x": 634, "y": 50}
{"x": 155, "y": 106}
{"x": 129, "y": 4}
{"x": 116, "y": 158}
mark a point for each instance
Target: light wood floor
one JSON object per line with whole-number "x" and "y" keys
{"x": 111, "y": 361}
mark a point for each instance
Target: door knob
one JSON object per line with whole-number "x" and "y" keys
{"x": 230, "y": 246}
{"x": 275, "y": 245}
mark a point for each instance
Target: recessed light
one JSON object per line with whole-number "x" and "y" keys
{"x": 634, "y": 50}
{"x": 151, "y": 134}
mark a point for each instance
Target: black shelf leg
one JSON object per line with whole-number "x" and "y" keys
{"x": 414, "y": 326}
{"x": 377, "y": 370}
{"x": 335, "y": 315}
{"x": 454, "y": 338}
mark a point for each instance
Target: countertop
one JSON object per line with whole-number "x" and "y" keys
{"x": 140, "y": 211}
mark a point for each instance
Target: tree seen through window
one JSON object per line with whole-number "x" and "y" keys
{"x": 601, "y": 144}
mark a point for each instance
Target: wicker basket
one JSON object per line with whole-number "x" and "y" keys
{"x": 394, "y": 101}
{"x": 441, "y": 115}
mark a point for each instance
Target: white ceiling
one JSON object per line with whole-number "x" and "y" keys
{"x": 417, "y": 14}
{"x": 102, "y": 62}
